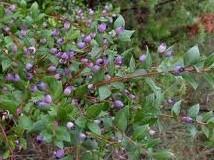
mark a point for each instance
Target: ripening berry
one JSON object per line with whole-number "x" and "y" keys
{"x": 186, "y": 119}
{"x": 68, "y": 90}
{"x": 162, "y": 48}
{"x": 81, "y": 45}
{"x": 118, "y": 104}
{"x": 47, "y": 99}
{"x": 70, "y": 125}
{"x": 142, "y": 58}
{"x": 60, "y": 153}
{"x": 87, "y": 39}
{"x": 102, "y": 27}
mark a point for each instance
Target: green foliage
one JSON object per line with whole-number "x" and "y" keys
{"x": 78, "y": 84}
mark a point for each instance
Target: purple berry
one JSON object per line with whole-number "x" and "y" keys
{"x": 9, "y": 77}
{"x": 54, "y": 50}
{"x": 55, "y": 32}
{"x": 28, "y": 66}
{"x": 70, "y": 125}
{"x": 14, "y": 48}
{"x": 16, "y": 78}
{"x": 29, "y": 76}
{"x": 67, "y": 24}
{"x": 95, "y": 68}
{"x": 34, "y": 88}
{"x": 178, "y": 69}
{"x": 87, "y": 39}
{"x": 12, "y": 7}
{"x": 42, "y": 86}
{"x": 82, "y": 136}
{"x": 119, "y": 30}
{"x": 47, "y": 99}
{"x": 142, "y": 58}
{"x": 90, "y": 12}
{"x": 57, "y": 76}
{"x": 118, "y": 60}
{"x": 162, "y": 48}
{"x": 60, "y": 153}
{"x": 42, "y": 104}
{"x": 84, "y": 60}
{"x": 68, "y": 90}
{"x": 39, "y": 139}
{"x": 168, "y": 52}
{"x": 24, "y": 31}
{"x": 60, "y": 41}
{"x": 186, "y": 119}
{"x": 52, "y": 68}
{"x": 81, "y": 45}
{"x": 99, "y": 61}
{"x": 102, "y": 27}
{"x": 118, "y": 104}
{"x": 30, "y": 50}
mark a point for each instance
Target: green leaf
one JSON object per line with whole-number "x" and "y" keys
{"x": 94, "y": 110}
{"x": 176, "y": 108}
{"x": 193, "y": 111}
{"x": 209, "y": 78}
{"x": 126, "y": 36}
{"x": 119, "y": 22}
{"x": 93, "y": 127}
{"x": 1, "y": 11}
{"x": 25, "y": 122}
{"x": 34, "y": 10}
{"x": 55, "y": 86}
{"x": 80, "y": 91}
{"x": 205, "y": 130}
{"x": 163, "y": 155}
{"x": 104, "y": 92}
{"x": 190, "y": 79}
{"x": 6, "y": 63}
{"x": 192, "y": 56}
{"x": 63, "y": 134}
{"x": 8, "y": 103}
{"x": 132, "y": 64}
{"x": 121, "y": 119}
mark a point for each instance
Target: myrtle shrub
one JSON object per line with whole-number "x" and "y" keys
{"x": 72, "y": 78}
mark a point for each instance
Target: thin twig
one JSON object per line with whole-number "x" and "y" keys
{"x": 7, "y": 141}
{"x": 148, "y": 74}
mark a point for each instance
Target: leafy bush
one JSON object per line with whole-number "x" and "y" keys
{"x": 72, "y": 78}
